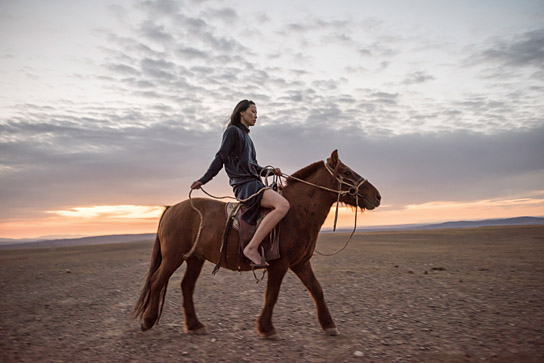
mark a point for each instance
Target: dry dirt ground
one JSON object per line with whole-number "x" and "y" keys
{"x": 430, "y": 296}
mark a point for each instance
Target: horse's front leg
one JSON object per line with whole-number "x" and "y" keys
{"x": 276, "y": 272}
{"x": 306, "y": 275}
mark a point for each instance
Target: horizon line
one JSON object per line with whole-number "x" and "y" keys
{"x": 374, "y": 228}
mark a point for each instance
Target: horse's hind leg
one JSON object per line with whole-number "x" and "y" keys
{"x": 159, "y": 284}
{"x": 306, "y": 275}
{"x": 192, "y": 325}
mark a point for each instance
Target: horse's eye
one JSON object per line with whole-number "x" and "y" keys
{"x": 348, "y": 173}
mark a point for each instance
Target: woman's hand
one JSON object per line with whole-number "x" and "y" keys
{"x": 277, "y": 171}
{"x": 196, "y": 185}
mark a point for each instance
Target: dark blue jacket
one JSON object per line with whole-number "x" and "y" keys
{"x": 238, "y": 155}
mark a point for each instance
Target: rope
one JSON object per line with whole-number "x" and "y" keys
{"x": 337, "y": 203}
{"x": 354, "y": 223}
{"x": 188, "y": 254}
{"x": 340, "y": 192}
{"x": 349, "y": 238}
{"x": 355, "y": 186}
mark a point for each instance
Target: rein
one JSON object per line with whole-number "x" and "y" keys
{"x": 353, "y": 190}
{"x": 188, "y": 254}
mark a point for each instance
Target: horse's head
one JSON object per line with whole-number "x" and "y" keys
{"x": 358, "y": 191}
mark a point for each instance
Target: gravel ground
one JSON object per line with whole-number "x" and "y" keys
{"x": 427, "y": 296}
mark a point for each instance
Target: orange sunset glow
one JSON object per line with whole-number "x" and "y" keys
{"x": 134, "y": 219}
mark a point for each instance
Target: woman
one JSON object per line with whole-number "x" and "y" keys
{"x": 238, "y": 155}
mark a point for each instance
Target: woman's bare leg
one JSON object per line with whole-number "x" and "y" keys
{"x": 280, "y": 207}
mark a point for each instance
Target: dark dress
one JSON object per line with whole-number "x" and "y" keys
{"x": 238, "y": 155}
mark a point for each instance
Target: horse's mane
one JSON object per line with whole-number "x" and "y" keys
{"x": 304, "y": 172}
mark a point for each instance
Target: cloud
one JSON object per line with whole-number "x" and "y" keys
{"x": 175, "y": 56}
{"x": 518, "y": 59}
{"x": 53, "y": 160}
{"x": 490, "y": 203}
{"x": 523, "y": 50}
{"x": 384, "y": 98}
{"x": 417, "y": 77}
{"x": 158, "y": 69}
{"x": 123, "y": 69}
{"x": 161, "y": 7}
{"x": 73, "y": 161}
{"x": 118, "y": 11}
{"x": 207, "y": 64}
{"x": 318, "y": 24}
{"x": 192, "y": 53}
{"x": 156, "y": 32}
{"x": 114, "y": 212}
{"x": 376, "y": 50}
{"x": 226, "y": 14}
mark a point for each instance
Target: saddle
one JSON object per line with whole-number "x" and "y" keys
{"x": 234, "y": 212}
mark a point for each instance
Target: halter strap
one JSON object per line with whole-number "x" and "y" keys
{"x": 355, "y": 184}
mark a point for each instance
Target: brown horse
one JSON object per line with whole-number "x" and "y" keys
{"x": 310, "y": 206}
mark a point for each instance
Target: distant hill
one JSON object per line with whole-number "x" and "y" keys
{"x": 123, "y": 238}
{"x": 98, "y": 240}
{"x": 518, "y": 221}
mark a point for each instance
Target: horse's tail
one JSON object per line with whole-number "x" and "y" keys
{"x": 145, "y": 295}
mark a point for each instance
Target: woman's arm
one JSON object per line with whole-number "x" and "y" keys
{"x": 229, "y": 139}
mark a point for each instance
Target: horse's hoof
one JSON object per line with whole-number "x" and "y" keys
{"x": 273, "y": 336}
{"x": 333, "y": 332}
{"x": 269, "y": 335}
{"x": 200, "y": 331}
{"x": 147, "y": 323}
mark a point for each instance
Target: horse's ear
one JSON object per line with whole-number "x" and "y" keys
{"x": 333, "y": 160}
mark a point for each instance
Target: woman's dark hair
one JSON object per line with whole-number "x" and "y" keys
{"x": 240, "y": 107}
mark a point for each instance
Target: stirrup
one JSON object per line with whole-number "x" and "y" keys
{"x": 262, "y": 264}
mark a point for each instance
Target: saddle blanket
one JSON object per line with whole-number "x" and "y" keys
{"x": 246, "y": 231}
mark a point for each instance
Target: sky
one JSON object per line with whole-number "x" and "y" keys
{"x": 110, "y": 109}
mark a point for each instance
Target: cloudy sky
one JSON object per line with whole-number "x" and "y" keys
{"x": 109, "y": 109}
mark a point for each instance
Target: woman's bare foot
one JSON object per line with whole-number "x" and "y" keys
{"x": 254, "y": 256}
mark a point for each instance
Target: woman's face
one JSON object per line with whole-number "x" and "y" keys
{"x": 249, "y": 116}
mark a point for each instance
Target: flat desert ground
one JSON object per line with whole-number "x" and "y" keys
{"x": 423, "y": 296}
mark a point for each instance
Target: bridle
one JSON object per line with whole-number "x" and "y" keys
{"x": 352, "y": 191}
{"x": 354, "y": 185}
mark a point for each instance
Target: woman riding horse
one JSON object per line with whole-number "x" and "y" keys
{"x": 238, "y": 155}
{"x": 311, "y": 192}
